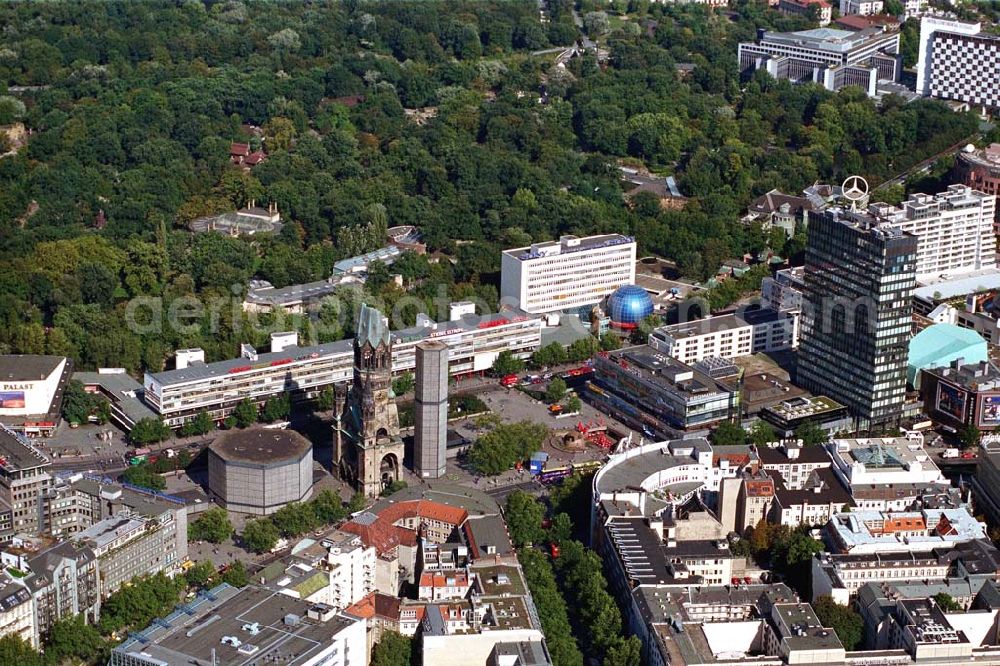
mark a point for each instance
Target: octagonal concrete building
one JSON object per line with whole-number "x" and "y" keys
{"x": 258, "y": 471}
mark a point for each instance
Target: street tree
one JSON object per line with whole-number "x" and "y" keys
{"x": 556, "y": 390}
{"x": 507, "y": 364}
{"x": 245, "y": 413}
{"x": 212, "y": 526}
{"x": 260, "y": 535}
{"x": 728, "y": 433}
{"x": 524, "y": 515}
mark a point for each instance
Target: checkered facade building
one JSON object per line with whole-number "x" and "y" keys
{"x": 966, "y": 68}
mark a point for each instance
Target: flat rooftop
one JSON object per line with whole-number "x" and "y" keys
{"x": 662, "y": 371}
{"x": 882, "y": 453}
{"x": 756, "y": 317}
{"x": 292, "y": 294}
{"x": 260, "y": 446}
{"x": 567, "y": 244}
{"x": 17, "y": 454}
{"x": 825, "y": 39}
{"x": 108, "y": 530}
{"x": 193, "y": 633}
{"x": 340, "y": 348}
{"x": 27, "y": 367}
{"x": 968, "y": 283}
{"x": 803, "y": 406}
{"x": 127, "y": 392}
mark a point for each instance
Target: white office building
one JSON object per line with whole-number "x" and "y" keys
{"x": 956, "y": 61}
{"x": 566, "y": 274}
{"x": 829, "y": 57}
{"x": 954, "y": 230}
{"x": 473, "y": 343}
{"x": 883, "y": 461}
{"x": 860, "y": 7}
{"x": 728, "y": 336}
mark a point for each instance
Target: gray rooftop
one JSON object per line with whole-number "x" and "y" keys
{"x": 108, "y": 530}
{"x": 567, "y": 244}
{"x": 825, "y": 39}
{"x": 27, "y": 367}
{"x": 754, "y": 317}
{"x": 201, "y": 371}
{"x": 969, "y": 284}
{"x": 292, "y": 294}
{"x": 475, "y": 502}
{"x": 488, "y": 532}
{"x": 193, "y": 633}
{"x": 663, "y": 372}
{"x": 260, "y": 446}
{"x": 524, "y": 653}
{"x": 17, "y": 454}
{"x": 125, "y": 390}
{"x": 630, "y": 472}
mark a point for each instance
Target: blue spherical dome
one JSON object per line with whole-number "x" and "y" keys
{"x": 629, "y": 305}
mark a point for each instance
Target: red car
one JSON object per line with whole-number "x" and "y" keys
{"x": 554, "y": 550}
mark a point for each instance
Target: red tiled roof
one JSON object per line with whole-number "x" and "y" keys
{"x": 386, "y": 606}
{"x": 364, "y": 608}
{"x": 944, "y": 527}
{"x": 424, "y": 509}
{"x": 903, "y": 524}
{"x": 240, "y": 149}
{"x": 383, "y": 534}
{"x": 383, "y": 537}
{"x": 256, "y": 157}
{"x": 759, "y": 487}
{"x": 431, "y": 579}
{"x": 735, "y": 459}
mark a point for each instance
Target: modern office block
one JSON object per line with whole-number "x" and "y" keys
{"x": 831, "y": 58}
{"x": 859, "y": 279}
{"x": 956, "y": 61}
{"x": 566, "y": 274}
{"x": 430, "y": 435}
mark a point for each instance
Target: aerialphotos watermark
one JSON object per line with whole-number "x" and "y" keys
{"x": 332, "y": 317}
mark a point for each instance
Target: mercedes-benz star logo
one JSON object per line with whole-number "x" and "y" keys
{"x": 855, "y": 188}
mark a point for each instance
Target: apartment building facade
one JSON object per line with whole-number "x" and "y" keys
{"x": 24, "y": 480}
{"x": 954, "y": 229}
{"x": 728, "y": 336}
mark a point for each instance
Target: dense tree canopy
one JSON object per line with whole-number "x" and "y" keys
{"x": 132, "y": 111}
{"x": 504, "y": 446}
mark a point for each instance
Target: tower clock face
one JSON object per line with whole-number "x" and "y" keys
{"x": 381, "y": 396}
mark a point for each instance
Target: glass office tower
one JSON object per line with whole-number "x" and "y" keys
{"x": 859, "y": 279}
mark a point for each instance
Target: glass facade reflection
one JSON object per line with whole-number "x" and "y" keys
{"x": 859, "y": 279}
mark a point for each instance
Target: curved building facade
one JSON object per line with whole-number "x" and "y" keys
{"x": 258, "y": 471}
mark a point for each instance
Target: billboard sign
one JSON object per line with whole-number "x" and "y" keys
{"x": 989, "y": 411}
{"x": 12, "y": 400}
{"x": 951, "y": 401}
